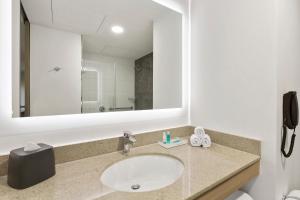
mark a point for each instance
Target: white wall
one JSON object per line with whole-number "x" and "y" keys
{"x": 51, "y": 92}
{"x": 59, "y": 130}
{"x": 167, "y": 59}
{"x": 288, "y": 45}
{"x": 233, "y": 73}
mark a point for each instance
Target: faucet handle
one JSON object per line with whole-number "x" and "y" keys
{"x": 128, "y": 135}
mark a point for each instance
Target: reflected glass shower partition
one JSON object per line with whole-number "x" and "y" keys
{"x": 115, "y": 87}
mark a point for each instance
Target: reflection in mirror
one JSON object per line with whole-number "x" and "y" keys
{"x": 89, "y": 56}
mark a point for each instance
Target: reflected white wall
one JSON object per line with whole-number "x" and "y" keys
{"x": 54, "y": 92}
{"x": 167, "y": 59}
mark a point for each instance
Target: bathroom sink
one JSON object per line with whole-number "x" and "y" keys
{"x": 142, "y": 173}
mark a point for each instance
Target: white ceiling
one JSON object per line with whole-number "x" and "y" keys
{"x": 93, "y": 20}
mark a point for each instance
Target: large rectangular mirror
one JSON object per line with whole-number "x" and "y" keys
{"x": 89, "y": 56}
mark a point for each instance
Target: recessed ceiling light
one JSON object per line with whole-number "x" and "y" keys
{"x": 117, "y": 29}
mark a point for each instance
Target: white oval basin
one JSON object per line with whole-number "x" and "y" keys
{"x": 142, "y": 173}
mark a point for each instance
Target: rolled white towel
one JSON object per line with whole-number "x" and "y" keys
{"x": 199, "y": 131}
{"x": 195, "y": 140}
{"x": 206, "y": 141}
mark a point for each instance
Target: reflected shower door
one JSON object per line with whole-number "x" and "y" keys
{"x": 125, "y": 81}
{"x": 105, "y": 87}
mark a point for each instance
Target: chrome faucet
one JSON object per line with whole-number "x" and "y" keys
{"x": 128, "y": 140}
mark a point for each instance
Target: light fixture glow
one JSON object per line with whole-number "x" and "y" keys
{"x": 117, "y": 29}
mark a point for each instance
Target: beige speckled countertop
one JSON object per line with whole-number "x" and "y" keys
{"x": 80, "y": 180}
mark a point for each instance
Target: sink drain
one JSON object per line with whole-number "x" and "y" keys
{"x": 135, "y": 187}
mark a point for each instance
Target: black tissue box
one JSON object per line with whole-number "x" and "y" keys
{"x": 26, "y": 169}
